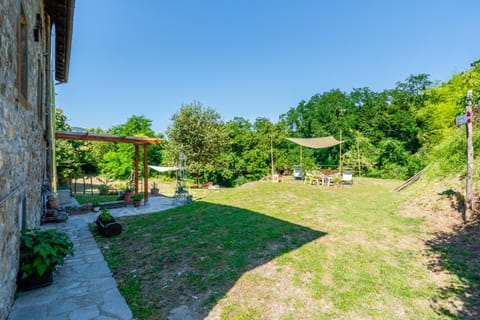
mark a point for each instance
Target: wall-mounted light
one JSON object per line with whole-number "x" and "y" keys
{"x": 37, "y": 30}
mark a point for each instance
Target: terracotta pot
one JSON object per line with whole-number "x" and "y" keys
{"x": 127, "y": 196}
{"x": 52, "y": 203}
{"x": 50, "y": 213}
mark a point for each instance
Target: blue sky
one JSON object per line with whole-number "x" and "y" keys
{"x": 253, "y": 58}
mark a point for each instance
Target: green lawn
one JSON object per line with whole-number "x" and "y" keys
{"x": 89, "y": 198}
{"x": 278, "y": 251}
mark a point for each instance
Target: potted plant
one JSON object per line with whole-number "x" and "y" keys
{"x": 107, "y": 225}
{"x": 137, "y": 199}
{"x": 52, "y": 200}
{"x": 336, "y": 181}
{"x": 40, "y": 253}
{"x": 127, "y": 194}
{"x": 95, "y": 206}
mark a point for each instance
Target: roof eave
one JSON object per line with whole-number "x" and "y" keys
{"x": 68, "y": 42}
{"x": 61, "y": 13}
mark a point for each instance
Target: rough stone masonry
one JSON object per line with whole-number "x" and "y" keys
{"x": 24, "y": 129}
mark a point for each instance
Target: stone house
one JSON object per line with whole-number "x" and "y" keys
{"x": 35, "y": 41}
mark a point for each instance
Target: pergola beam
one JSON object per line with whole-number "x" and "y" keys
{"x": 88, "y": 136}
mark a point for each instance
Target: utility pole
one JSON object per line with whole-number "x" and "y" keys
{"x": 469, "y": 132}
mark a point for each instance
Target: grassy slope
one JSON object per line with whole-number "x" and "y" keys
{"x": 283, "y": 251}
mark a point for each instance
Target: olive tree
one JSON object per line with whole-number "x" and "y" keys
{"x": 197, "y": 131}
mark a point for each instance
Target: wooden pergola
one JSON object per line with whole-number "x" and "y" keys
{"x": 137, "y": 141}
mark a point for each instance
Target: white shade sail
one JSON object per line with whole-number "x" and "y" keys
{"x": 163, "y": 169}
{"x": 316, "y": 143}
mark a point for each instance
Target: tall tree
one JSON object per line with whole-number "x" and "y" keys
{"x": 197, "y": 131}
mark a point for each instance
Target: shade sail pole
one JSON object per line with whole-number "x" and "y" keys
{"x": 358, "y": 159}
{"x": 271, "y": 154}
{"x": 301, "y": 156}
{"x": 341, "y": 151}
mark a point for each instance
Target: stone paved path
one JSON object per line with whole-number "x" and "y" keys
{"x": 83, "y": 288}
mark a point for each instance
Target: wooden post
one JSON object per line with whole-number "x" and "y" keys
{"x": 145, "y": 173}
{"x": 271, "y": 154}
{"x": 136, "y": 168}
{"x": 358, "y": 158}
{"x": 301, "y": 157}
{"x": 469, "y": 182}
{"x": 341, "y": 152}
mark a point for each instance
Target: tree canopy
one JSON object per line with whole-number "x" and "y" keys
{"x": 197, "y": 131}
{"x": 391, "y": 133}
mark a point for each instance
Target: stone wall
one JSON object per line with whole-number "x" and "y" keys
{"x": 23, "y": 143}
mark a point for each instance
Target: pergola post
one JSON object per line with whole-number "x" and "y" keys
{"x": 136, "y": 168}
{"x": 145, "y": 173}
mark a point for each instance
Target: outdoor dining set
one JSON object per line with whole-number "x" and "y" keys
{"x": 327, "y": 177}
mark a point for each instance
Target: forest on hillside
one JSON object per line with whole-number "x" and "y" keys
{"x": 393, "y": 133}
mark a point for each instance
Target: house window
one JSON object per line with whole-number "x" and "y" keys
{"x": 22, "y": 76}
{"x": 22, "y": 213}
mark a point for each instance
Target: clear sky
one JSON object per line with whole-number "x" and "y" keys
{"x": 253, "y": 58}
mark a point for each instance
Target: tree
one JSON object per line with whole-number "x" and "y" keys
{"x": 444, "y": 103}
{"x": 68, "y": 158}
{"x": 118, "y": 162}
{"x": 198, "y": 133}
{"x": 61, "y": 121}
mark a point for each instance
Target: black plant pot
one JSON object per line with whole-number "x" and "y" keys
{"x": 109, "y": 229}
{"x": 35, "y": 281}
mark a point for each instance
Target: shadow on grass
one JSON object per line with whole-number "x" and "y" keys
{"x": 193, "y": 255}
{"x": 457, "y": 198}
{"x": 459, "y": 253}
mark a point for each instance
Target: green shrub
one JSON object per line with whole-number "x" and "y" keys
{"x": 138, "y": 196}
{"x": 239, "y": 181}
{"x": 43, "y": 250}
{"x": 105, "y": 216}
{"x": 103, "y": 189}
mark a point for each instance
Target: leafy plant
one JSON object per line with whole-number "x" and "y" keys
{"x": 103, "y": 189}
{"x": 138, "y": 196}
{"x": 105, "y": 216}
{"x": 43, "y": 250}
{"x": 336, "y": 180}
